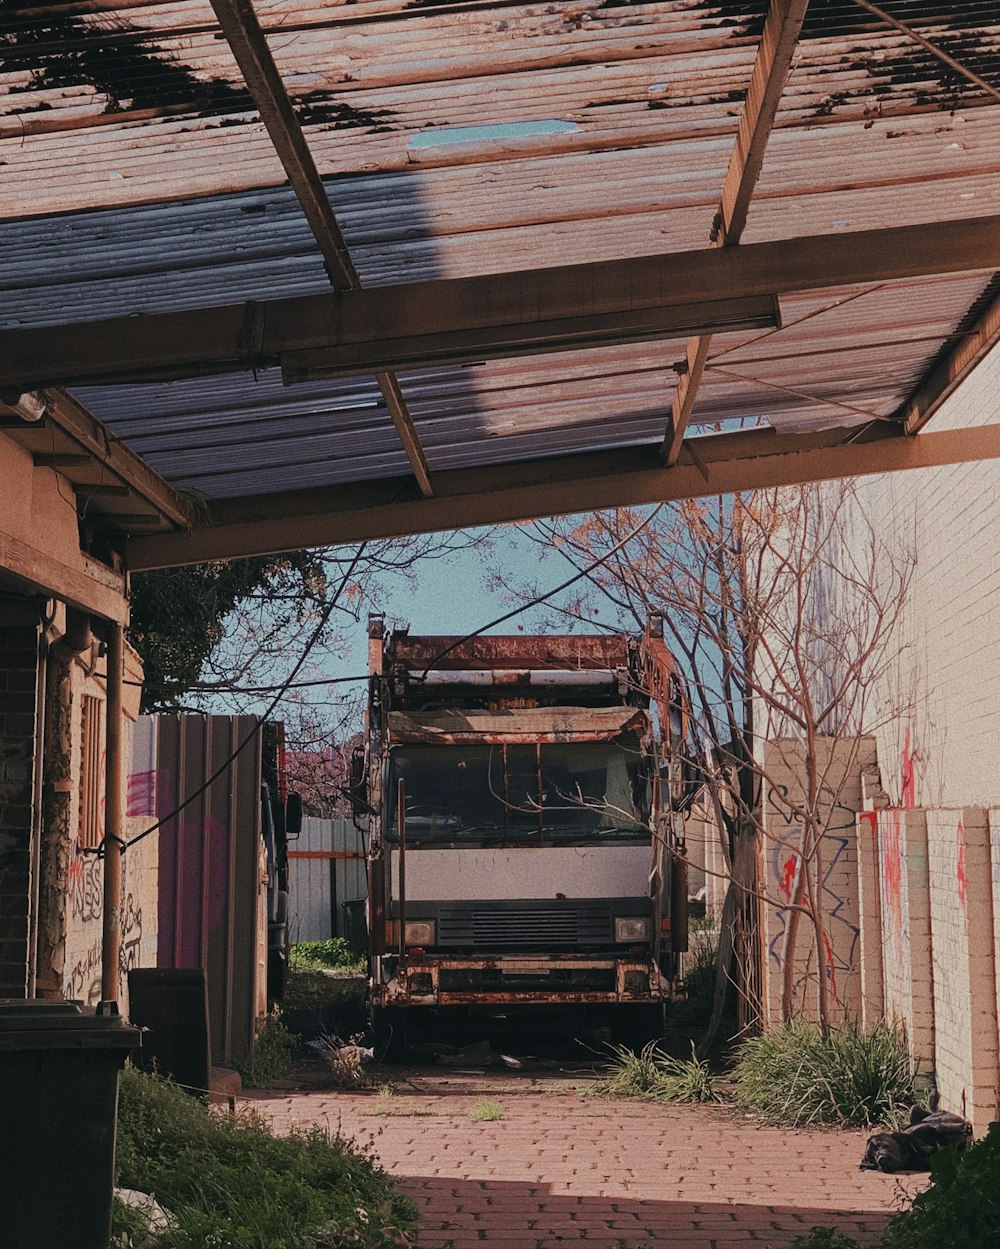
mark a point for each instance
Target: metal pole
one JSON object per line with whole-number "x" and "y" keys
{"x": 401, "y": 823}
{"x": 114, "y": 805}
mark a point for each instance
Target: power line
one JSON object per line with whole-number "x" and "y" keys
{"x": 224, "y": 767}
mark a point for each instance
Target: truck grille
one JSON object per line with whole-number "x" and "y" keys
{"x": 482, "y": 926}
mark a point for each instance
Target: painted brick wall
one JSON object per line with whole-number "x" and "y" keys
{"x": 841, "y": 763}
{"x": 18, "y": 680}
{"x": 140, "y": 880}
{"x": 964, "y": 969}
{"x": 904, "y": 929}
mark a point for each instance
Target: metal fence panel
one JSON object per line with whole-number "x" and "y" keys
{"x": 211, "y": 871}
{"x": 326, "y": 868}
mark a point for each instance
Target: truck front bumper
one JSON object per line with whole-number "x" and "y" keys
{"x": 511, "y": 980}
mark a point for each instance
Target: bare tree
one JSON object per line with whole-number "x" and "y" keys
{"x": 225, "y": 637}
{"x": 780, "y": 608}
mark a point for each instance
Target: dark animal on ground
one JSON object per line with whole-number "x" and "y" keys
{"x": 911, "y": 1149}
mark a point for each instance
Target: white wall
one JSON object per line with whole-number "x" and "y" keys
{"x": 939, "y": 721}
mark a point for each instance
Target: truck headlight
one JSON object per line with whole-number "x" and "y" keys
{"x": 420, "y": 932}
{"x": 630, "y": 928}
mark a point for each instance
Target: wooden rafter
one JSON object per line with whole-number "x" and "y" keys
{"x": 249, "y": 46}
{"x": 767, "y": 81}
{"x": 503, "y": 493}
{"x": 492, "y": 315}
{"x": 951, "y": 369}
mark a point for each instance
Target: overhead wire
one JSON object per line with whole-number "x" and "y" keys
{"x": 538, "y": 599}
{"x": 228, "y": 763}
{"x": 282, "y": 689}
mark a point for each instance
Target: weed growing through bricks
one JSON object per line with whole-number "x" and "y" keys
{"x": 653, "y": 1075}
{"x": 232, "y": 1182}
{"x": 486, "y": 1110}
{"x": 797, "y": 1076}
{"x": 272, "y": 1054}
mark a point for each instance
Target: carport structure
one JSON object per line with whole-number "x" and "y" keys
{"x": 282, "y": 273}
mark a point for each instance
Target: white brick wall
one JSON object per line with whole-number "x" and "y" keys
{"x": 964, "y": 973}
{"x": 939, "y": 710}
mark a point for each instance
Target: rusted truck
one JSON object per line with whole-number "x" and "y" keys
{"x": 523, "y": 809}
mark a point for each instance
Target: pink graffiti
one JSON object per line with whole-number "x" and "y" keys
{"x": 893, "y": 868}
{"x": 141, "y": 798}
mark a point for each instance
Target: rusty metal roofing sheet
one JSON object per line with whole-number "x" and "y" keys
{"x": 470, "y": 138}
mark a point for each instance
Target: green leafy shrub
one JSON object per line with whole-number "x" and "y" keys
{"x": 334, "y": 954}
{"x": 271, "y": 1058}
{"x": 794, "y": 1075}
{"x": 230, "y": 1182}
{"x": 653, "y": 1075}
{"x": 961, "y": 1208}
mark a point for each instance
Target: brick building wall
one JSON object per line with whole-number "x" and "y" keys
{"x": 18, "y": 698}
{"x": 929, "y": 860}
{"x": 841, "y": 764}
{"x": 939, "y": 708}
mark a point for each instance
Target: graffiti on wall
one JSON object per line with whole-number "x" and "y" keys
{"x": 891, "y": 846}
{"x": 840, "y": 936}
{"x": 961, "y": 879}
{"x": 85, "y": 905}
{"x": 86, "y": 887}
{"x": 83, "y": 982}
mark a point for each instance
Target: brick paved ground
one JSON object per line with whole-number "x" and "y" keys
{"x": 614, "y": 1175}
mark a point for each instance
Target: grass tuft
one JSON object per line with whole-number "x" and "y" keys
{"x": 653, "y": 1075}
{"x": 796, "y": 1076}
{"x": 229, "y": 1182}
{"x": 486, "y": 1110}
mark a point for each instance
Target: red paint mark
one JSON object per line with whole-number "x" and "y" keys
{"x": 871, "y": 819}
{"x": 963, "y": 883}
{"x": 892, "y": 868}
{"x": 909, "y": 774}
{"x": 787, "y": 877}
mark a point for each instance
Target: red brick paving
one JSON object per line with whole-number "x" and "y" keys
{"x": 614, "y": 1175}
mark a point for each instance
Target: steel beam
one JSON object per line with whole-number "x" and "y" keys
{"x": 494, "y": 315}
{"x": 504, "y": 493}
{"x": 249, "y": 46}
{"x": 767, "y": 81}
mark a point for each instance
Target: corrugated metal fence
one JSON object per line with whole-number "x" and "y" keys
{"x": 212, "y": 880}
{"x": 326, "y": 868}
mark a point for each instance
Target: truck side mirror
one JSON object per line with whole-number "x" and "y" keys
{"x": 293, "y": 816}
{"x": 359, "y": 785}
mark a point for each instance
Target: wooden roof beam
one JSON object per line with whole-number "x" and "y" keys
{"x": 492, "y": 316}
{"x": 952, "y": 368}
{"x": 249, "y": 46}
{"x": 503, "y": 493}
{"x": 73, "y": 440}
{"x": 767, "y": 82}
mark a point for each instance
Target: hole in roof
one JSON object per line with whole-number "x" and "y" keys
{"x": 438, "y": 136}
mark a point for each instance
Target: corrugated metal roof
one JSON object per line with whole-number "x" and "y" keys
{"x": 457, "y": 139}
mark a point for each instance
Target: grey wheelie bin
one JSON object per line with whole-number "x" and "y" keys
{"x": 59, "y": 1068}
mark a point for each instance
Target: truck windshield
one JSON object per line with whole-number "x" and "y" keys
{"x": 560, "y": 794}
